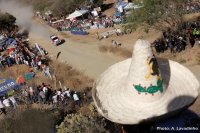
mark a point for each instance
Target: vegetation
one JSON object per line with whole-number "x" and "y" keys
{"x": 61, "y": 6}
{"x": 28, "y": 121}
{"x": 79, "y": 123}
{"x": 123, "y": 52}
{"x": 158, "y": 13}
{"x": 7, "y": 22}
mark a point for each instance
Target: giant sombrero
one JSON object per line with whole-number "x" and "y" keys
{"x": 141, "y": 89}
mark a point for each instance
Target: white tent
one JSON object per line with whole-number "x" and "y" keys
{"x": 132, "y": 6}
{"x": 57, "y": 21}
{"x": 77, "y": 14}
{"x": 48, "y": 13}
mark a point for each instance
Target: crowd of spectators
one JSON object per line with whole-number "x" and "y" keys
{"x": 6, "y": 103}
{"x": 81, "y": 23}
{"x": 43, "y": 95}
{"x": 191, "y": 7}
{"x": 16, "y": 52}
{"x": 178, "y": 42}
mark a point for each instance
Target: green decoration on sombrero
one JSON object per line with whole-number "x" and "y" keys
{"x": 150, "y": 89}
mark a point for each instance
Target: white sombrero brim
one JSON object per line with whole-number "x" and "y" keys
{"x": 117, "y": 104}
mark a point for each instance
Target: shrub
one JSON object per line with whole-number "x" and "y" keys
{"x": 40, "y": 7}
{"x": 103, "y": 48}
{"x": 119, "y": 51}
{"x": 182, "y": 61}
{"x": 78, "y": 123}
{"x": 146, "y": 30}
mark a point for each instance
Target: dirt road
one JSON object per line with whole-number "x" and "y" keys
{"x": 83, "y": 56}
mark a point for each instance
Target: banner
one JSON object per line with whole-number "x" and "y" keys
{"x": 7, "y": 84}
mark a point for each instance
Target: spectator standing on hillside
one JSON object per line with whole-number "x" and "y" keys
{"x": 2, "y": 107}
{"x": 6, "y": 102}
{"x": 76, "y": 99}
{"x": 14, "y": 102}
{"x": 97, "y": 34}
{"x": 26, "y": 94}
{"x": 42, "y": 95}
{"x": 55, "y": 99}
{"x": 67, "y": 92}
{"x": 31, "y": 93}
{"x": 119, "y": 32}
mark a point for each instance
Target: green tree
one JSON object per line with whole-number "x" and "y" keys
{"x": 158, "y": 13}
{"x": 7, "y": 22}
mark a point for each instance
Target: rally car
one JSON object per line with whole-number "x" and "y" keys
{"x": 55, "y": 40}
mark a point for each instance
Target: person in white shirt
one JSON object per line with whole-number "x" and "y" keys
{"x": 6, "y": 102}
{"x": 55, "y": 100}
{"x": 45, "y": 89}
{"x": 2, "y": 107}
{"x": 76, "y": 99}
{"x": 119, "y": 32}
{"x": 67, "y": 92}
{"x": 14, "y": 102}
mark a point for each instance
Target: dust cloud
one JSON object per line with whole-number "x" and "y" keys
{"x": 24, "y": 14}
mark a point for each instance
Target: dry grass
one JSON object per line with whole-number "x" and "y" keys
{"x": 63, "y": 73}
{"x": 69, "y": 77}
{"x": 198, "y": 58}
{"x": 119, "y": 51}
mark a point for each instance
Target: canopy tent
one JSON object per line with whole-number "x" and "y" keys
{"x": 122, "y": 4}
{"x": 10, "y": 50}
{"x": 118, "y": 14}
{"x": 77, "y": 14}
{"x": 58, "y": 21}
{"x": 7, "y": 85}
{"x": 10, "y": 40}
{"x": 23, "y": 78}
{"x": 131, "y": 5}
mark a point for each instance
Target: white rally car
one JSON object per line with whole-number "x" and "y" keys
{"x": 55, "y": 40}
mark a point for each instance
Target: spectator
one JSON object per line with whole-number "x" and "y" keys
{"x": 42, "y": 95}
{"x": 14, "y": 102}
{"x": 26, "y": 94}
{"x": 76, "y": 99}
{"x": 119, "y": 32}
{"x": 31, "y": 93}
{"x": 2, "y": 107}
{"x": 67, "y": 92}
{"x": 128, "y": 31}
{"x": 7, "y": 102}
{"x": 55, "y": 99}
{"x": 97, "y": 34}
{"x": 116, "y": 43}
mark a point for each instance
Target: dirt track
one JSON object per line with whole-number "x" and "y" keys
{"x": 84, "y": 57}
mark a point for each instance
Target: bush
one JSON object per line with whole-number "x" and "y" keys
{"x": 78, "y": 123}
{"x": 40, "y": 7}
{"x": 146, "y": 30}
{"x": 182, "y": 61}
{"x": 123, "y": 52}
{"x": 103, "y": 49}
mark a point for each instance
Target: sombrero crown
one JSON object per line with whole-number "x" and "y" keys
{"x": 141, "y": 88}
